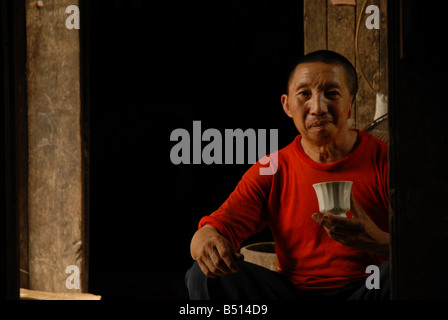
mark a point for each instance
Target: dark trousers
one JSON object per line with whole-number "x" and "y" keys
{"x": 253, "y": 282}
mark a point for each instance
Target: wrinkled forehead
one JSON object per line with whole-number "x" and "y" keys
{"x": 318, "y": 75}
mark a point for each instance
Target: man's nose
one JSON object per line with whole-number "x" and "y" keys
{"x": 318, "y": 105}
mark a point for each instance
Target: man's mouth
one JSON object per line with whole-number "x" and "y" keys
{"x": 320, "y": 124}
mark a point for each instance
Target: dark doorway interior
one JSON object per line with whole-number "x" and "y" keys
{"x": 13, "y": 146}
{"x": 156, "y": 67}
{"x": 419, "y": 142}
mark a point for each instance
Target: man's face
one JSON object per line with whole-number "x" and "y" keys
{"x": 319, "y": 101}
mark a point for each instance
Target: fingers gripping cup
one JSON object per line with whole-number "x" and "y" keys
{"x": 334, "y": 197}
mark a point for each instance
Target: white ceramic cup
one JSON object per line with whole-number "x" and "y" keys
{"x": 334, "y": 197}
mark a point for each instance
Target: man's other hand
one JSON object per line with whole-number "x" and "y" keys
{"x": 215, "y": 254}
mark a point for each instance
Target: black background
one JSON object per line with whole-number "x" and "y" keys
{"x": 156, "y": 67}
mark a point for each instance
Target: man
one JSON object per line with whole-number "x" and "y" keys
{"x": 319, "y": 256}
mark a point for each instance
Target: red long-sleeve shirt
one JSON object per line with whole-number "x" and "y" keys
{"x": 286, "y": 200}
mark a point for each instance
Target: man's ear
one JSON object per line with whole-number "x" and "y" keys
{"x": 285, "y": 105}
{"x": 350, "y": 107}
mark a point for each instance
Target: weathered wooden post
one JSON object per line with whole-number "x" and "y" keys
{"x": 56, "y": 222}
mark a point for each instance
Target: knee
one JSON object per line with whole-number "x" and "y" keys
{"x": 193, "y": 275}
{"x": 196, "y": 282}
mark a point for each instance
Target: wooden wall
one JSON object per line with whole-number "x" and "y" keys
{"x": 342, "y": 28}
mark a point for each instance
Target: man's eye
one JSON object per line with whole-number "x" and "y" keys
{"x": 332, "y": 94}
{"x": 304, "y": 93}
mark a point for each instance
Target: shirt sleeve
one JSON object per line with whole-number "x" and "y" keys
{"x": 244, "y": 213}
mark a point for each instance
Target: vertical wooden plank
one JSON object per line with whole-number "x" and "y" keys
{"x": 341, "y": 30}
{"x": 367, "y": 65}
{"x": 341, "y": 36}
{"x": 55, "y": 162}
{"x": 315, "y": 25}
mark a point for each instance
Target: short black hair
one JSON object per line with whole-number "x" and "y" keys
{"x": 329, "y": 57}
